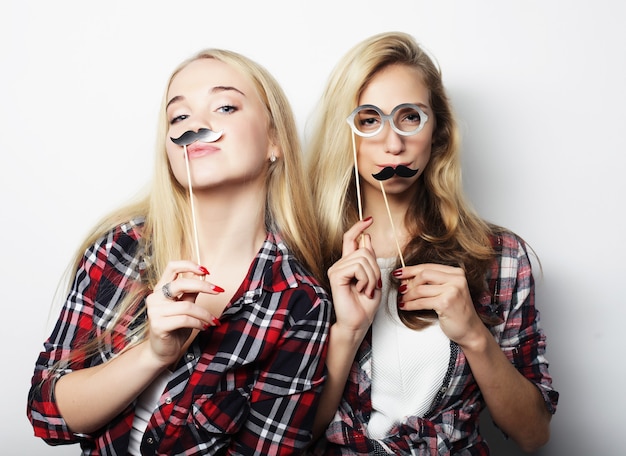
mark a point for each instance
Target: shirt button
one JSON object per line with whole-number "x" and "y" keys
{"x": 168, "y": 400}
{"x": 190, "y": 356}
{"x": 150, "y": 440}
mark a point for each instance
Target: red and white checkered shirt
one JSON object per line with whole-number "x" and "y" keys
{"x": 248, "y": 386}
{"x": 451, "y": 426}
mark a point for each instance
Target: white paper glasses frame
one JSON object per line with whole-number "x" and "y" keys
{"x": 404, "y": 111}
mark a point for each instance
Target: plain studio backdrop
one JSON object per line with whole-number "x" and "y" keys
{"x": 538, "y": 87}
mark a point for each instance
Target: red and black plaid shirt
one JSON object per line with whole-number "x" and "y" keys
{"x": 451, "y": 427}
{"x": 248, "y": 386}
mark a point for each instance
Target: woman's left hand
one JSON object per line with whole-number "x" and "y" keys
{"x": 443, "y": 289}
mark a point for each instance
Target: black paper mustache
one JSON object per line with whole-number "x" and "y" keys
{"x": 388, "y": 172}
{"x": 203, "y": 135}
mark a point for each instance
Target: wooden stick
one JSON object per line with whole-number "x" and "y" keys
{"x": 395, "y": 235}
{"x": 357, "y": 179}
{"x": 193, "y": 211}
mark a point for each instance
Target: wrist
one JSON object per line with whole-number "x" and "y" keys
{"x": 476, "y": 342}
{"x": 149, "y": 360}
{"x": 347, "y": 336}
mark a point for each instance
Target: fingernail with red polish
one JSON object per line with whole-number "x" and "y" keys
{"x": 218, "y": 289}
{"x": 367, "y": 219}
{"x": 397, "y": 273}
{"x": 205, "y": 327}
{"x": 203, "y": 270}
{"x": 380, "y": 283}
{"x": 402, "y": 288}
{"x": 216, "y": 322}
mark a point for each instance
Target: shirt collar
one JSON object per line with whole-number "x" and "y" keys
{"x": 272, "y": 270}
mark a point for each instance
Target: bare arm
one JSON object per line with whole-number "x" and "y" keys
{"x": 90, "y": 398}
{"x": 514, "y": 402}
{"x": 342, "y": 349}
{"x": 356, "y": 296}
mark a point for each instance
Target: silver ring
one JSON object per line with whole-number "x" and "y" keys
{"x": 165, "y": 289}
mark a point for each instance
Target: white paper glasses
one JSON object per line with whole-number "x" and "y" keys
{"x": 406, "y": 119}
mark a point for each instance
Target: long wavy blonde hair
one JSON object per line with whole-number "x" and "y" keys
{"x": 442, "y": 225}
{"x": 167, "y": 232}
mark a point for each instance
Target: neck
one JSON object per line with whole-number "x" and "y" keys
{"x": 230, "y": 224}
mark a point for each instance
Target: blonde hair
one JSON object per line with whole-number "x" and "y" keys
{"x": 443, "y": 226}
{"x": 167, "y": 232}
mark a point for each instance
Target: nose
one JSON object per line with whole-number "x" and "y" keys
{"x": 199, "y": 122}
{"x": 200, "y": 117}
{"x": 394, "y": 143}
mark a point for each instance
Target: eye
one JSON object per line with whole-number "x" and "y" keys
{"x": 414, "y": 118}
{"x": 408, "y": 118}
{"x": 368, "y": 120}
{"x": 178, "y": 119}
{"x": 227, "y": 109}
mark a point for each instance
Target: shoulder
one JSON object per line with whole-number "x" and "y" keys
{"x": 508, "y": 244}
{"x": 511, "y": 275}
{"x": 126, "y": 233}
{"x": 119, "y": 244}
{"x": 131, "y": 229}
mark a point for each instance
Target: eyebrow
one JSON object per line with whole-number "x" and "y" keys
{"x": 214, "y": 90}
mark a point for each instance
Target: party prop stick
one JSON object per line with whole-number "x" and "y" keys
{"x": 387, "y": 173}
{"x": 356, "y": 179}
{"x": 193, "y": 211}
{"x": 395, "y": 235}
{"x": 203, "y": 135}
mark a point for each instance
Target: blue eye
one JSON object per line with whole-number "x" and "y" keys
{"x": 227, "y": 109}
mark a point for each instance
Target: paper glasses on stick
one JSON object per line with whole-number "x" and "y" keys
{"x": 367, "y": 120}
{"x": 202, "y": 135}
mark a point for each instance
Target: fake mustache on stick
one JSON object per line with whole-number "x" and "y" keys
{"x": 202, "y": 135}
{"x": 388, "y": 172}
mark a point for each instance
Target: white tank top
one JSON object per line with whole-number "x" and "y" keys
{"x": 408, "y": 366}
{"x": 146, "y": 403}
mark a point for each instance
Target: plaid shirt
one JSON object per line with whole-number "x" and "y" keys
{"x": 451, "y": 426}
{"x": 248, "y": 386}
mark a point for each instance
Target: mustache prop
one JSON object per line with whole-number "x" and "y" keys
{"x": 388, "y": 172}
{"x": 203, "y": 135}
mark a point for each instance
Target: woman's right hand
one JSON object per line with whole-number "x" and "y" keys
{"x": 355, "y": 281}
{"x": 172, "y": 319}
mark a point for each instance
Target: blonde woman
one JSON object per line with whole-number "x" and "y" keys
{"x": 193, "y": 323}
{"x": 434, "y": 308}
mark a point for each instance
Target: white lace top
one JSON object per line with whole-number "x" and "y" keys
{"x": 408, "y": 366}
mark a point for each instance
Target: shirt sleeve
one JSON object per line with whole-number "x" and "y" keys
{"x": 97, "y": 286}
{"x": 283, "y": 401}
{"x": 522, "y": 338}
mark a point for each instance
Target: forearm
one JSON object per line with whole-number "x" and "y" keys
{"x": 90, "y": 398}
{"x": 342, "y": 349}
{"x": 515, "y": 404}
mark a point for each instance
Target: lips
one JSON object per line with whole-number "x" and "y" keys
{"x": 198, "y": 150}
